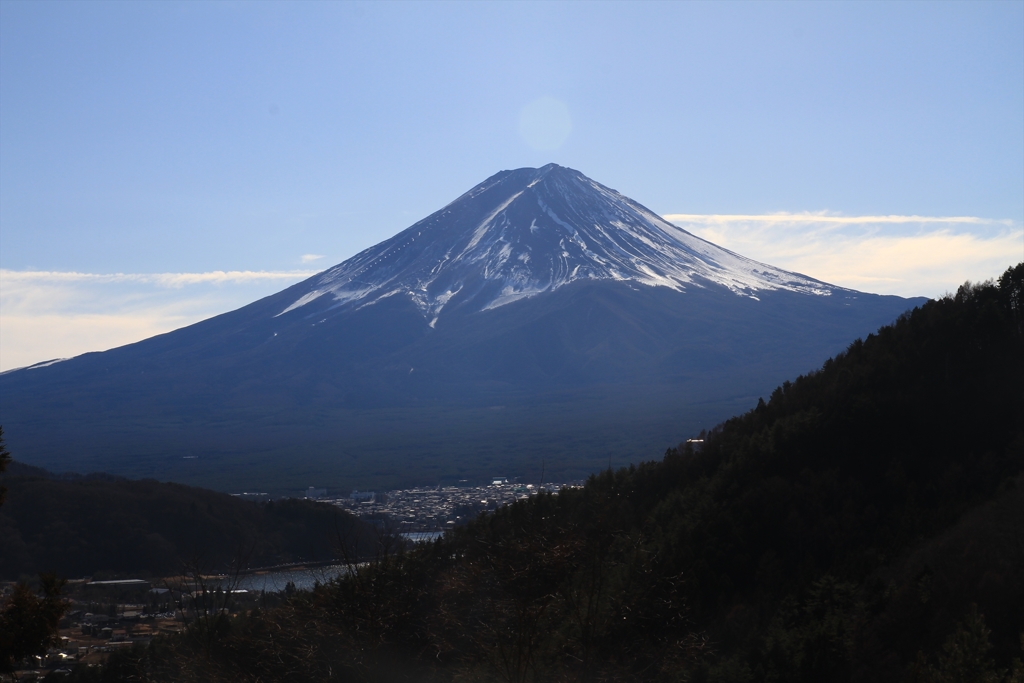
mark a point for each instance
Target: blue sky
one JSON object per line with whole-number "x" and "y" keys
{"x": 163, "y": 162}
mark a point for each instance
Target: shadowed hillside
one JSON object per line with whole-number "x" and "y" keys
{"x": 100, "y": 525}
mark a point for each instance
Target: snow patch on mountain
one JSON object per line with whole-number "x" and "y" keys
{"x": 522, "y": 233}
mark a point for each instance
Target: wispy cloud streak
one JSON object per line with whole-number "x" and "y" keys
{"x": 893, "y": 254}
{"x": 161, "y": 279}
{"x": 826, "y": 218}
{"x": 58, "y": 314}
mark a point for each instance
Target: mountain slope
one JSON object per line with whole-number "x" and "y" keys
{"x": 539, "y": 318}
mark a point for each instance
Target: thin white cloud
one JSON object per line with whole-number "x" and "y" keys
{"x": 309, "y": 258}
{"x": 59, "y": 314}
{"x": 826, "y": 218}
{"x": 903, "y": 255}
{"x": 162, "y": 279}
{"x": 29, "y": 339}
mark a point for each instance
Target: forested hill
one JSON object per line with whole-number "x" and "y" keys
{"x": 863, "y": 524}
{"x": 101, "y": 525}
{"x": 826, "y": 532}
{"x": 890, "y": 442}
{"x": 841, "y": 527}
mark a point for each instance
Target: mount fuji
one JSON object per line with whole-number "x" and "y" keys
{"x": 539, "y": 320}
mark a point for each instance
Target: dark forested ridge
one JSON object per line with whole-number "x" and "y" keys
{"x": 101, "y": 525}
{"x": 862, "y": 524}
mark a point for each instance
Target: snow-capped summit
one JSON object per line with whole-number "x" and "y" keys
{"x": 532, "y": 230}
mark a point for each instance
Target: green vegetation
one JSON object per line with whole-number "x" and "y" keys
{"x": 863, "y": 524}
{"x": 104, "y": 526}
